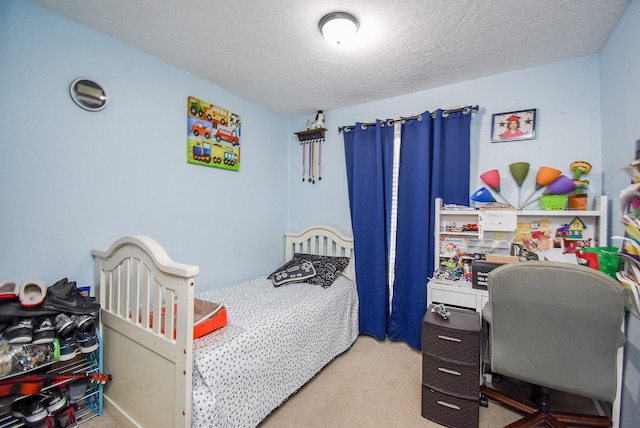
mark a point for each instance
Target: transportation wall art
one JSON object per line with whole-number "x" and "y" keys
{"x": 213, "y": 135}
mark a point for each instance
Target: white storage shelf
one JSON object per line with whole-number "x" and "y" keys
{"x": 461, "y": 293}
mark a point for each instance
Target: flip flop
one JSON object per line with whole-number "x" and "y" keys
{"x": 32, "y": 293}
{"x": 9, "y": 290}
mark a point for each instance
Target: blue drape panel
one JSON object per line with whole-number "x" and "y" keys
{"x": 412, "y": 235}
{"x": 364, "y": 153}
{"x": 451, "y": 157}
{"x": 434, "y": 162}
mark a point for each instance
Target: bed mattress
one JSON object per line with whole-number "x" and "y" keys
{"x": 276, "y": 340}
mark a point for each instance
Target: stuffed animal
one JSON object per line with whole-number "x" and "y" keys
{"x": 319, "y": 123}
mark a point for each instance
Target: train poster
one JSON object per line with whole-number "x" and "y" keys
{"x": 213, "y": 135}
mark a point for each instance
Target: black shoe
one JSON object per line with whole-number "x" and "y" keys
{"x": 43, "y": 331}
{"x": 62, "y": 287}
{"x": 64, "y": 326}
{"x": 68, "y": 347}
{"x": 30, "y": 408}
{"x": 9, "y": 310}
{"x": 65, "y": 297}
{"x": 66, "y": 418}
{"x": 87, "y": 341}
{"x": 21, "y": 331}
{"x": 53, "y": 400}
{"x": 84, "y": 323}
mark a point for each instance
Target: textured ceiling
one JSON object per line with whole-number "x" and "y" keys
{"x": 272, "y": 53}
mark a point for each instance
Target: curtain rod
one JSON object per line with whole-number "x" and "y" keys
{"x": 445, "y": 113}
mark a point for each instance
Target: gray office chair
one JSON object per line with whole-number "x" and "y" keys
{"x": 556, "y": 326}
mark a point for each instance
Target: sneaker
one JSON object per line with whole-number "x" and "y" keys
{"x": 84, "y": 323}
{"x": 64, "y": 284}
{"x": 48, "y": 422}
{"x": 88, "y": 342}
{"x": 66, "y": 417}
{"x": 53, "y": 400}
{"x": 43, "y": 331}
{"x": 20, "y": 331}
{"x": 68, "y": 348}
{"x": 64, "y": 325}
{"x": 66, "y": 297}
{"x": 30, "y": 408}
{"x": 77, "y": 390}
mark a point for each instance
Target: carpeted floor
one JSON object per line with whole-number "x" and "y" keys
{"x": 379, "y": 384}
{"x": 374, "y": 384}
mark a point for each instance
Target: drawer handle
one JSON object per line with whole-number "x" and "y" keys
{"x": 448, "y": 371}
{"x": 449, "y": 338}
{"x": 449, "y": 405}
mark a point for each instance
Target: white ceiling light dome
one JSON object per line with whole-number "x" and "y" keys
{"x": 339, "y": 28}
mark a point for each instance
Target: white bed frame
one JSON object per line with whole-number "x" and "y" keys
{"x": 151, "y": 370}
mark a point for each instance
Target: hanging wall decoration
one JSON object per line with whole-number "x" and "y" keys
{"x": 311, "y": 141}
{"x": 213, "y": 135}
{"x": 513, "y": 126}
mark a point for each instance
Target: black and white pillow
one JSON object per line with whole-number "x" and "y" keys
{"x": 299, "y": 271}
{"x": 327, "y": 268}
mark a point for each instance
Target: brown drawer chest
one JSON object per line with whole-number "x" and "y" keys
{"x": 451, "y": 368}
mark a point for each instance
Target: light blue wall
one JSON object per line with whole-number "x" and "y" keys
{"x": 567, "y": 98}
{"x": 72, "y": 180}
{"x": 620, "y": 76}
{"x": 586, "y": 111}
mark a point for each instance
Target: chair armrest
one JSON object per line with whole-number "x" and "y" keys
{"x": 486, "y": 312}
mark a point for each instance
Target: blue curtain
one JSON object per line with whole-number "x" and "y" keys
{"x": 369, "y": 183}
{"x": 434, "y": 162}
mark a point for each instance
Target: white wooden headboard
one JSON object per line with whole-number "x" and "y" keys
{"x": 321, "y": 240}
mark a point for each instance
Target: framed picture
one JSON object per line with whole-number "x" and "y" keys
{"x": 213, "y": 135}
{"x": 513, "y": 126}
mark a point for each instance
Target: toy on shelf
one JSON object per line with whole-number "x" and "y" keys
{"x": 578, "y": 199}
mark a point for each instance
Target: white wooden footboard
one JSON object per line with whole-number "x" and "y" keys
{"x": 152, "y": 370}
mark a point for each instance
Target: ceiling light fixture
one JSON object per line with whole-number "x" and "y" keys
{"x": 338, "y": 28}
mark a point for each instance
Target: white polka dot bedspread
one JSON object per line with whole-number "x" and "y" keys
{"x": 275, "y": 341}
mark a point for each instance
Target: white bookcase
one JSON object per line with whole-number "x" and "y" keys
{"x": 450, "y": 225}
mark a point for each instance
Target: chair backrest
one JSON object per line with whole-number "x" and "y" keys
{"x": 556, "y": 325}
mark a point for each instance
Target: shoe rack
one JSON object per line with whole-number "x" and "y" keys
{"x": 87, "y": 406}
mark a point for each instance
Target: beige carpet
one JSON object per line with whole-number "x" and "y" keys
{"x": 374, "y": 384}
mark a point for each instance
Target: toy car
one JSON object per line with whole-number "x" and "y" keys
{"x": 199, "y": 129}
{"x": 228, "y": 136}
